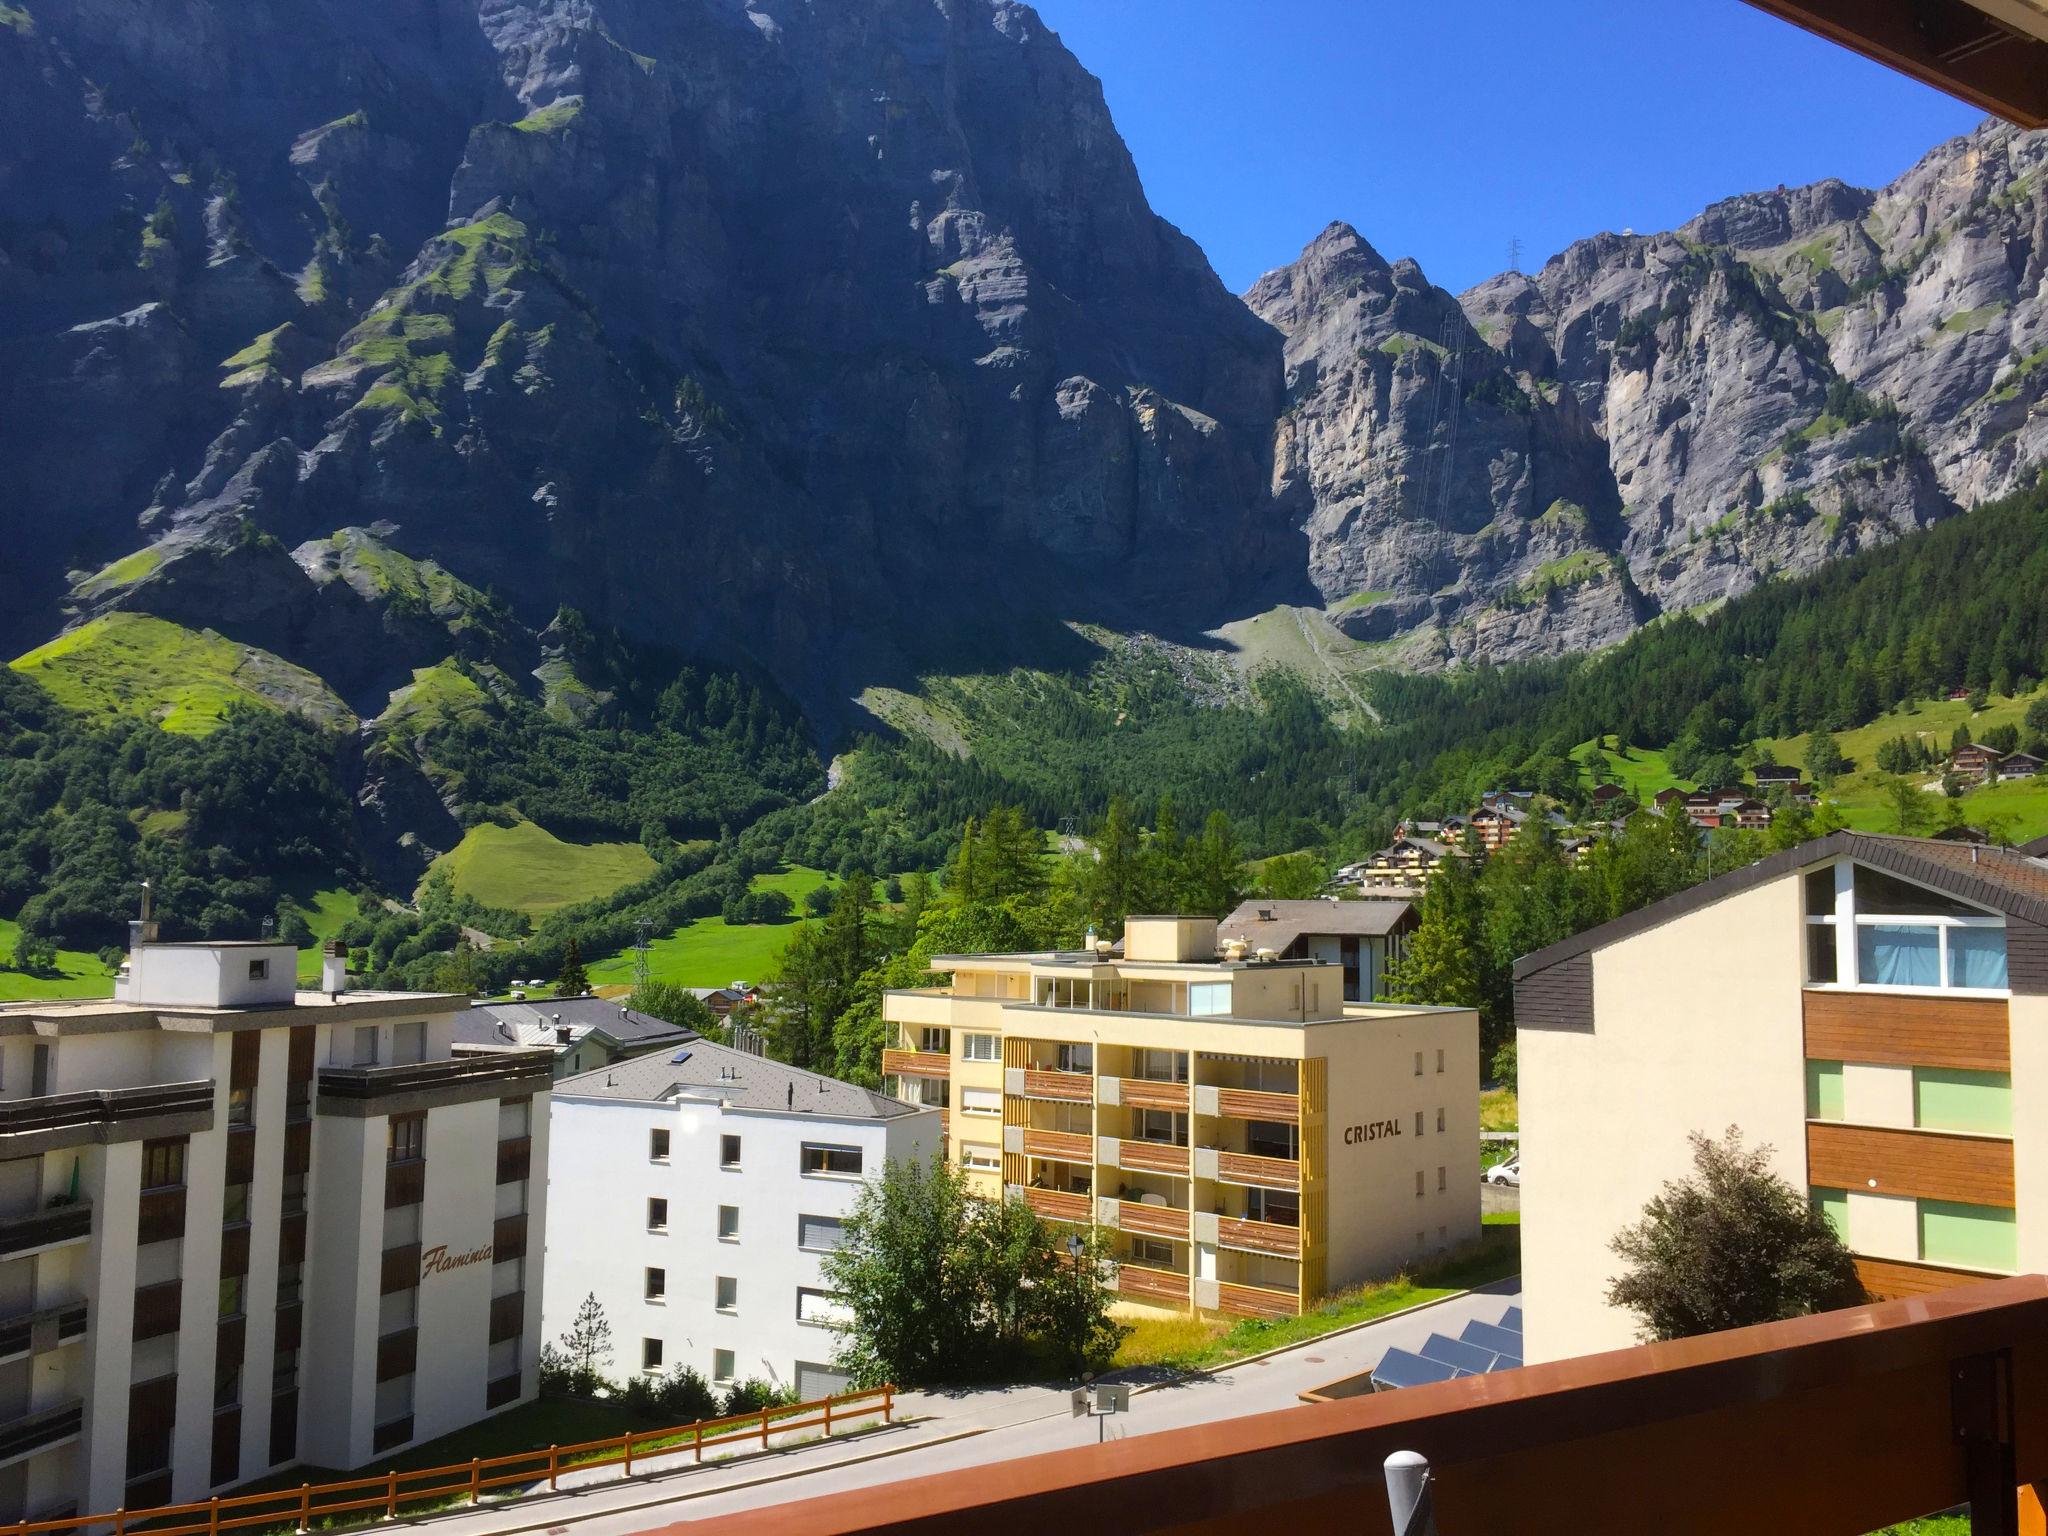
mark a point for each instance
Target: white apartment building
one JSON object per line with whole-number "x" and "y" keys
{"x": 243, "y": 1226}
{"x": 695, "y": 1194}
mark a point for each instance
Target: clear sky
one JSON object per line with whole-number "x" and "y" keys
{"x": 1442, "y": 129}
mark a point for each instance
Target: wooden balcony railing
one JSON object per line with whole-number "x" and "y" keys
{"x": 1260, "y": 1237}
{"x": 1152, "y": 1157}
{"x": 1068, "y": 1146}
{"x": 50, "y": 1228}
{"x": 1256, "y": 1301}
{"x": 1060, "y": 1205}
{"x": 54, "y": 1120}
{"x": 1142, "y": 1284}
{"x": 1272, "y": 1172}
{"x": 916, "y": 1064}
{"x": 1151, "y": 1220}
{"x": 359, "y": 1092}
{"x": 1146, "y": 1093}
{"x": 1067, "y": 1087}
{"x": 1251, "y": 1104}
{"x": 1841, "y": 1422}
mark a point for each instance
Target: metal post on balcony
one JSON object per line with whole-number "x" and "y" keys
{"x": 1411, "y": 1497}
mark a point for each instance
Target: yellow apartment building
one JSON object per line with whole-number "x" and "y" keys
{"x": 1248, "y": 1140}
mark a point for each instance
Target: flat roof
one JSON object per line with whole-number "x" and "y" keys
{"x": 754, "y": 1082}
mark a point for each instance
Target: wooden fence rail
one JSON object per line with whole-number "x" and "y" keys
{"x": 299, "y": 1507}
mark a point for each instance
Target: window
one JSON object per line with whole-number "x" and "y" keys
{"x": 657, "y": 1285}
{"x": 1280, "y": 1207}
{"x": 980, "y": 1101}
{"x": 284, "y": 1371}
{"x": 1208, "y": 999}
{"x": 1439, "y": 1122}
{"x": 1440, "y": 1176}
{"x": 721, "y": 1366}
{"x": 159, "y": 1263}
{"x": 292, "y": 1198}
{"x": 401, "y": 1225}
{"x": 1905, "y": 935}
{"x": 366, "y": 1045}
{"x": 405, "y": 1138}
{"x": 503, "y": 1359}
{"x": 831, "y": 1162}
{"x": 241, "y": 1106}
{"x": 820, "y": 1234}
{"x": 508, "y": 1277}
{"x": 1898, "y": 955}
{"x": 290, "y": 1281}
{"x": 1823, "y": 1090}
{"x": 231, "y": 1291}
{"x": 1069, "y": 1057}
{"x": 726, "y": 1295}
{"x": 394, "y": 1400}
{"x": 1439, "y": 1061}
{"x": 1418, "y": 1063}
{"x": 818, "y": 1309}
{"x": 163, "y": 1164}
{"x": 935, "y": 1039}
{"x": 979, "y": 1155}
{"x": 409, "y": 1042}
{"x": 398, "y": 1310}
{"x": 1971, "y": 1236}
{"x": 510, "y": 1199}
{"x": 728, "y": 1151}
{"x": 978, "y": 1048}
{"x": 657, "y": 1215}
{"x": 1147, "y": 1250}
{"x": 227, "y": 1384}
{"x": 728, "y": 1223}
{"x": 515, "y": 1118}
{"x": 657, "y": 1146}
{"x": 1166, "y": 1126}
{"x": 1418, "y": 1184}
{"x": 1945, "y": 1100}
{"x": 259, "y": 970}
{"x": 154, "y": 1358}
{"x": 234, "y": 1206}
{"x": 1418, "y": 1122}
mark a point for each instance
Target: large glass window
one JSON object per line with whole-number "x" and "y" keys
{"x": 1898, "y": 955}
{"x": 1976, "y": 957}
{"x": 1208, "y": 999}
{"x": 1906, "y": 935}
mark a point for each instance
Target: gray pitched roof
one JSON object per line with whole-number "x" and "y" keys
{"x": 1292, "y": 920}
{"x": 754, "y": 1083}
{"x": 479, "y": 1026}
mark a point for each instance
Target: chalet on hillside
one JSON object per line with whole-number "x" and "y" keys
{"x": 1767, "y": 774}
{"x": 1362, "y": 936}
{"x": 1666, "y": 798}
{"x": 1974, "y": 761}
{"x": 1407, "y": 861}
{"x": 1608, "y": 794}
{"x": 2018, "y": 765}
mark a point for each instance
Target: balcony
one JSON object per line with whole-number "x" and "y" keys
{"x": 1152, "y": 1157}
{"x": 1248, "y": 1168}
{"x": 1142, "y": 1220}
{"x": 1259, "y": 1237}
{"x": 34, "y": 1332}
{"x": 1251, "y": 1104}
{"x": 40, "y": 1430}
{"x": 360, "y": 1092}
{"x": 1066, "y": 1146}
{"x": 1046, "y": 1083}
{"x": 1256, "y": 1301}
{"x": 897, "y": 1063}
{"x": 1057, "y": 1204}
{"x": 1843, "y": 1422}
{"x": 57, "y": 1227}
{"x": 1155, "y": 1285}
{"x": 1146, "y": 1093}
{"x": 53, "y": 1121}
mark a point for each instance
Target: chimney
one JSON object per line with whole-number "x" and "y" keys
{"x": 334, "y": 967}
{"x": 790, "y": 1096}
{"x": 561, "y": 1034}
{"x": 1265, "y": 914}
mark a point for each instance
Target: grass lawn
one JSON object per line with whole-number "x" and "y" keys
{"x": 1499, "y": 1110}
{"x": 1642, "y": 773}
{"x": 1933, "y": 1525}
{"x": 1187, "y": 1343}
{"x": 1936, "y": 720}
{"x": 325, "y": 913}
{"x": 711, "y": 952}
{"x": 529, "y": 869}
{"x": 78, "y": 974}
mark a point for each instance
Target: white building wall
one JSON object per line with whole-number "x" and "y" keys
{"x": 206, "y": 1159}
{"x": 113, "y": 1182}
{"x": 266, "y": 1198}
{"x": 344, "y": 1255}
{"x": 454, "y": 1304}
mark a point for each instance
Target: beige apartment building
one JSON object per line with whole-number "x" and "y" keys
{"x": 1248, "y": 1140}
{"x": 1873, "y": 1008}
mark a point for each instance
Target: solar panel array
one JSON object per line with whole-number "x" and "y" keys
{"x": 1479, "y": 1350}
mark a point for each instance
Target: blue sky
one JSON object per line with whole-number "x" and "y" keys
{"x": 1445, "y": 128}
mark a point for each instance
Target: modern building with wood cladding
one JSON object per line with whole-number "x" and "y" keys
{"x": 1875, "y": 1009}
{"x": 243, "y": 1226}
{"x": 1248, "y": 1140}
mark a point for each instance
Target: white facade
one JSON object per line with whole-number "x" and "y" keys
{"x": 735, "y": 1251}
{"x": 214, "y": 1209}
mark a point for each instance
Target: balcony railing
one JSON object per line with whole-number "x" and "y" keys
{"x": 456, "y": 1080}
{"x": 1260, "y": 1237}
{"x": 916, "y": 1064}
{"x": 1151, "y": 1093}
{"x": 105, "y": 1113}
{"x": 1059, "y": 1205}
{"x": 43, "y": 1329}
{"x": 1253, "y": 1104}
{"x": 52, "y": 1228}
{"x": 39, "y": 1430}
{"x": 1270, "y": 1172}
{"x": 1066, "y": 1087}
{"x": 1256, "y": 1301}
{"x": 1143, "y": 1284}
{"x": 1067, "y": 1146}
{"x": 1842, "y": 1422}
{"x": 1151, "y": 1220}
{"x": 1153, "y": 1157}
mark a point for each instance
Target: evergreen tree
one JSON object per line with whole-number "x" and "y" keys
{"x": 587, "y": 1347}
{"x": 1442, "y": 963}
{"x": 1116, "y": 885}
{"x": 1213, "y": 879}
{"x": 572, "y": 980}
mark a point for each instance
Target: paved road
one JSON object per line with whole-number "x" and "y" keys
{"x": 1022, "y": 1421}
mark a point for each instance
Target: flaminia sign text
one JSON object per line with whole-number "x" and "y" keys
{"x": 437, "y": 1260}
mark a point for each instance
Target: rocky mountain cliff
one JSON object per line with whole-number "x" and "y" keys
{"x": 841, "y": 340}
{"x": 1653, "y": 423}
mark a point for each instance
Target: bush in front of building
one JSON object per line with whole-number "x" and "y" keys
{"x": 942, "y": 1286}
{"x": 1731, "y": 1246}
{"x": 754, "y": 1394}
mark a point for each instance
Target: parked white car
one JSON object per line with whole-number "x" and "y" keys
{"x": 1509, "y": 1173}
